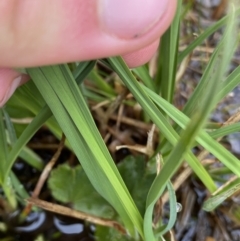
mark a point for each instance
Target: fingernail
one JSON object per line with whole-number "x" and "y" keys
{"x": 129, "y": 19}
{"x": 10, "y": 90}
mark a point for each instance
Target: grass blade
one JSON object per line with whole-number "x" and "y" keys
{"x": 166, "y": 71}
{"x": 3, "y": 148}
{"x": 143, "y": 74}
{"x": 173, "y": 211}
{"x": 225, "y": 130}
{"x": 216, "y": 200}
{"x": 230, "y": 83}
{"x": 82, "y": 70}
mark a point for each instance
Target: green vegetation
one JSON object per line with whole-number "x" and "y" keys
{"x": 58, "y": 97}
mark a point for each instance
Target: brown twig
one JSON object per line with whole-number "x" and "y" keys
{"x": 132, "y": 122}
{"x": 150, "y": 142}
{"x": 159, "y": 204}
{"x": 40, "y": 146}
{"x": 45, "y": 174}
{"x": 52, "y": 207}
{"x": 23, "y": 121}
{"x": 220, "y": 10}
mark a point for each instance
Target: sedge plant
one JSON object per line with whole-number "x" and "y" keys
{"x": 58, "y": 97}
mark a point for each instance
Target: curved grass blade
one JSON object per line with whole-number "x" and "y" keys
{"x": 215, "y": 201}
{"x": 173, "y": 212}
{"x": 3, "y": 148}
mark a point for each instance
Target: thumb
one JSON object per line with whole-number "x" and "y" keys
{"x": 9, "y": 81}
{"x": 35, "y": 33}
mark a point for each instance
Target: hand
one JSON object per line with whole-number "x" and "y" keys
{"x": 43, "y": 32}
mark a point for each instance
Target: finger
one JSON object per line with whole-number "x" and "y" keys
{"x": 141, "y": 56}
{"x": 45, "y": 32}
{"x": 9, "y": 81}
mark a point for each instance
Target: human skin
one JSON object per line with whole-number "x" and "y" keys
{"x": 43, "y": 32}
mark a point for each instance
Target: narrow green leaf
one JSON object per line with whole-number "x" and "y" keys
{"x": 18, "y": 188}
{"x": 101, "y": 83}
{"x": 143, "y": 74}
{"x": 30, "y": 130}
{"x": 82, "y": 70}
{"x": 166, "y": 71}
{"x": 3, "y": 148}
{"x": 216, "y": 200}
{"x": 6, "y": 184}
{"x": 9, "y": 193}
{"x": 232, "y": 81}
{"x": 173, "y": 212}
{"x": 10, "y": 128}
{"x": 31, "y": 158}
{"x": 225, "y": 130}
